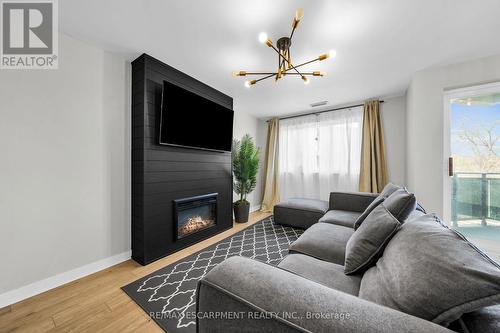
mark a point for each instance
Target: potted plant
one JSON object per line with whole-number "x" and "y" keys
{"x": 245, "y": 167}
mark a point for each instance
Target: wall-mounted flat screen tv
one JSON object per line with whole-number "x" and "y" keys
{"x": 190, "y": 120}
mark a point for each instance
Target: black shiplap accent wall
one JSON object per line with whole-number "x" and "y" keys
{"x": 161, "y": 174}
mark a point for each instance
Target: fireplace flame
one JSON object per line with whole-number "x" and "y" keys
{"x": 194, "y": 223}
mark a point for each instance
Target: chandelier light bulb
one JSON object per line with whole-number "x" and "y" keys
{"x": 332, "y": 54}
{"x": 299, "y": 14}
{"x": 250, "y": 83}
{"x": 306, "y": 79}
{"x": 262, "y": 37}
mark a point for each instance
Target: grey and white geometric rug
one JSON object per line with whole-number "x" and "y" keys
{"x": 169, "y": 294}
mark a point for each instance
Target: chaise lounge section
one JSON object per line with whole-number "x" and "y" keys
{"x": 300, "y": 213}
{"x": 343, "y": 208}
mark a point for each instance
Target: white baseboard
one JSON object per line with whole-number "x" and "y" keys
{"x": 52, "y": 282}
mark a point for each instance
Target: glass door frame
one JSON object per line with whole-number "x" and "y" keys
{"x": 449, "y": 94}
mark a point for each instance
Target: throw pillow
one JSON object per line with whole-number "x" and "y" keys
{"x": 387, "y": 191}
{"x": 377, "y": 201}
{"x": 367, "y": 243}
{"x": 401, "y": 203}
{"x": 433, "y": 272}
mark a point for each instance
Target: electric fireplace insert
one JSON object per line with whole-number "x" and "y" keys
{"x": 194, "y": 214}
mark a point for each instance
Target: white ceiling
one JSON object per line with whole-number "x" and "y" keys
{"x": 379, "y": 44}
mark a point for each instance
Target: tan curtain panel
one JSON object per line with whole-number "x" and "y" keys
{"x": 373, "y": 172}
{"x": 271, "y": 177}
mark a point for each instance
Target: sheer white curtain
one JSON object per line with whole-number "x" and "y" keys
{"x": 320, "y": 153}
{"x": 298, "y": 157}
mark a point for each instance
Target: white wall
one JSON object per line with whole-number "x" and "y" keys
{"x": 247, "y": 124}
{"x": 426, "y": 165}
{"x": 393, "y": 112}
{"x": 65, "y": 171}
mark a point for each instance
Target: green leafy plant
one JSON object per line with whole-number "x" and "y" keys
{"x": 246, "y": 157}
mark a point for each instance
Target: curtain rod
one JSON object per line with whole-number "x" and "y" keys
{"x": 323, "y": 111}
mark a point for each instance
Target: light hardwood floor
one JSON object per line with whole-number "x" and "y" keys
{"x": 96, "y": 303}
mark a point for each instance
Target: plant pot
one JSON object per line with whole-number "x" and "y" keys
{"x": 241, "y": 211}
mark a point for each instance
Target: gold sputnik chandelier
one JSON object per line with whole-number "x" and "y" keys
{"x": 285, "y": 64}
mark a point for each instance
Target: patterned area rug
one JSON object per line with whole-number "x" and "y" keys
{"x": 169, "y": 294}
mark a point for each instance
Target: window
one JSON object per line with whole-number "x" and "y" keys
{"x": 320, "y": 153}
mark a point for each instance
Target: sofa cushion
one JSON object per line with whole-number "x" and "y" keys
{"x": 433, "y": 272}
{"x": 414, "y": 215}
{"x": 328, "y": 274}
{"x": 368, "y": 242}
{"x": 323, "y": 241}
{"x": 301, "y": 213}
{"x": 310, "y": 205}
{"x": 341, "y": 217}
{"x": 351, "y": 201}
{"x": 483, "y": 320}
{"x": 400, "y": 203}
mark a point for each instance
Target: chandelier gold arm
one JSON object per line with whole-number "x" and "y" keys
{"x": 320, "y": 58}
{"x": 315, "y": 73}
{"x": 268, "y": 75}
{"x": 283, "y": 58}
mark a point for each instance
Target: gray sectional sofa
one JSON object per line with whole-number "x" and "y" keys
{"x": 420, "y": 276}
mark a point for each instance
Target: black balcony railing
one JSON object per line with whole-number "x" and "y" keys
{"x": 475, "y": 196}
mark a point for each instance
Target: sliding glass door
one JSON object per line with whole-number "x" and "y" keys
{"x": 474, "y": 164}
